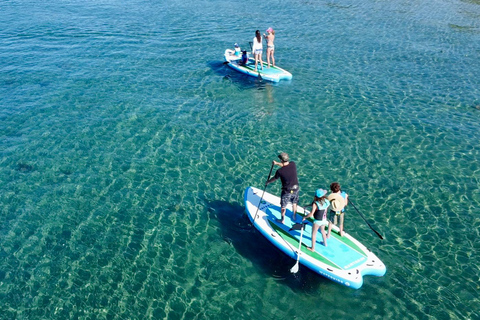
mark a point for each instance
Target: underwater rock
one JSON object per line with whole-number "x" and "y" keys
{"x": 24, "y": 167}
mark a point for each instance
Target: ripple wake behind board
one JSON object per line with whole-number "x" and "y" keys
{"x": 345, "y": 260}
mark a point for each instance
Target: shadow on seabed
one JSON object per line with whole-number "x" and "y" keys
{"x": 238, "y": 231}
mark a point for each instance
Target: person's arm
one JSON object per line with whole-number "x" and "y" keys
{"x": 314, "y": 207}
{"x": 271, "y": 180}
{"x": 275, "y": 177}
{"x": 280, "y": 164}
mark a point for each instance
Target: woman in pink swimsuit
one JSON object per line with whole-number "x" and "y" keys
{"x": 270, "y": 37}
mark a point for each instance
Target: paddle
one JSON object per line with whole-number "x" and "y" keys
{"x": 361, "y": 215}
{"x": 271, "y": 168}
{"x": 297, "y": 226}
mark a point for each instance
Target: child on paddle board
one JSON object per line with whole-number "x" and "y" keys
{"x": 270, "y": 37}
{"x": 320, "y": 205}
{"x": 337, "y": 208}
{"x": 257, "y": 49}
{"x": 238, "y": 51}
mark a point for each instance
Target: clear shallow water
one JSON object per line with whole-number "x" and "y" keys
{"x": 127, "y": 145}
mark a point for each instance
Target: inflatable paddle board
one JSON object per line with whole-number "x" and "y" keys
{"x": 274, "y": 74}
{"x": 345, "y": 260}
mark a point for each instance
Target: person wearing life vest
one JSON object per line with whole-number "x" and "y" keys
{"x": 244, "y": 57}
{"x": 237, "y": 49}
{"x": 338, "y": 200}
{"x": 319, "y": 210}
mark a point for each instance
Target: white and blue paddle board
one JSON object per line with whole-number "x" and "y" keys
{"x": 274, "y": 74}
{"x": 344, "y": 260}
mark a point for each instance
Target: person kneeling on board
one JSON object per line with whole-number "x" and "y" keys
{"x": 244, "y": 58}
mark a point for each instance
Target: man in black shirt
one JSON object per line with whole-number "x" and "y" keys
{"x": 288, "y": 175}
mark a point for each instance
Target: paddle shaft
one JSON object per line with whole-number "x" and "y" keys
{"x": 294, "y": 269}
{"x": 263, "y": 193}
{"x": 300, "y": 242}
{"x": 361, "y": 215}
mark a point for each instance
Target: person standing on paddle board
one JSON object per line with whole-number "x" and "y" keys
{"x": 288, "y": 175}
{"x": 257, "y": 49}
{"x": 270, "y": 37}
{"x": 337, "y": 194}
{"x": 319, "y": 210}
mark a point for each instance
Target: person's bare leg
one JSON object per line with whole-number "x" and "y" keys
{"x": 314, "y": 237}
{"x": 324, "y": 236}
{"x": 283, "y": 215}
{"x": 329, "y": 229}
{"x": 341, "y": 224}
{"x": 294, "y": 208}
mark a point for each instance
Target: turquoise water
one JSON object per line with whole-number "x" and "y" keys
{"x": 126, "y": 146}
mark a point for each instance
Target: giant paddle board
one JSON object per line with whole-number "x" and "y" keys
{"x": 274, "y": 74}
{"x": 344, "y": 260}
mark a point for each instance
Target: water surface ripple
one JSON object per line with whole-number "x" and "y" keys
{"x": 127, "y": 145}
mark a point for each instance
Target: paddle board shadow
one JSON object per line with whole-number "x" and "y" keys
{"x": 237, "y": 230}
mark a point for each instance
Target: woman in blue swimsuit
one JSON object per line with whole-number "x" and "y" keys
{"x": 319, "y": 214}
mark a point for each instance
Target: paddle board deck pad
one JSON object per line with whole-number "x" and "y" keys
{"x": 344, "y": 260}
{"x": 274, "y": 74}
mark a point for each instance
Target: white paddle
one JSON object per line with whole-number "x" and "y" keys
{"x": 294, "y": 269}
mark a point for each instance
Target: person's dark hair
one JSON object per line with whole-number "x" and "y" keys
{"x": 259, "y": 37}
{"x": 335, "y": 187}
{"x": 319, "y": 199}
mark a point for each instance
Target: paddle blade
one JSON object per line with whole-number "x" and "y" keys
{"x": 297, "y": 226}
{"x": 294, "y": 268}
{"x": 378, "y": 234}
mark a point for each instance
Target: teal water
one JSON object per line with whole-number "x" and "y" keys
{"x": 126, "y": 146}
